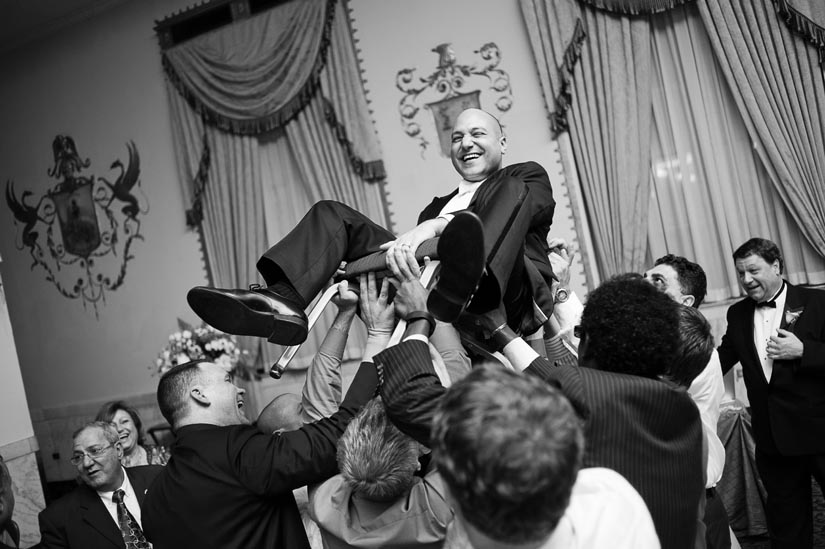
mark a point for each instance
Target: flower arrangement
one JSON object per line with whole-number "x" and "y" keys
{"x": 202, "y": 342}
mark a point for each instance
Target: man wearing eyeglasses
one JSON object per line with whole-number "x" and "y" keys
{"x": 105, "y": 509}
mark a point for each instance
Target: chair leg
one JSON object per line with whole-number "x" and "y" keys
{"x": 289, "y": 353}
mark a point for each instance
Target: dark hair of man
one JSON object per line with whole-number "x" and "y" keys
{"x": 630, "y": 327}
{"x": 691, "y": 276}
{"x": 173, "y": 390}
{"x": 762, "y": 247}
{"x": 109, "y": 431}
{"x": 509, "y": 447}
{"x": 107, "y": 413}
{"x": 377, "y": 460}
{"x": 695, "y": 347}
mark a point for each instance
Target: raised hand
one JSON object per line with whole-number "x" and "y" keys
{"x": 410, "y": 295}
{"x": 377, "y": 311}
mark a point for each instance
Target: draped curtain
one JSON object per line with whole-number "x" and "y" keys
{"x": 707, "y": 184}
{"x": 779, "y": 87}
{"x": 269, "y": 115}
{"x": 609, "y": 119}
{"x": 619, "y": 110}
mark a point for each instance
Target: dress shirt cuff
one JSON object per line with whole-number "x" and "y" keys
{"x": 519, "y": 353}
{"x": 376, "y": 342}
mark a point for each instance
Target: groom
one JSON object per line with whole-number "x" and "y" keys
{"x": 495, "y": 219}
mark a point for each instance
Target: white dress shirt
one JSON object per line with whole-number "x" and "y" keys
{"x": 766, "y": 321}
{"x": 462, "y": 199}
{"x": 707, "y": 391}
{"x": 129, "y": 498}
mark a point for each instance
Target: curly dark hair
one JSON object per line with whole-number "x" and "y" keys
{"x": 762, "y": 247}
{"x": 691, "y": 276}
{"x": 629, "y": 327}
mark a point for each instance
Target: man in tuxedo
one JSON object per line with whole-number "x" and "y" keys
{"x": 515, "y": 205}
{"x": 105, "y": 510}
{"x": 227, "y": 484}
{"x": 777, "y": 333}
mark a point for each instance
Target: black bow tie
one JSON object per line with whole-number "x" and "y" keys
{"x": 767, "y": 304}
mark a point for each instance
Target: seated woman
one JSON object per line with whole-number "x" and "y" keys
{"x": 127, "y": 422}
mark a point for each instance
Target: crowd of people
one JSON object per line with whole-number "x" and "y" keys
{"x": 512, "y": 413}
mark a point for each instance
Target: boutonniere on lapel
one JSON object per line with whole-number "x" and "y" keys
{"x": 791, "y": 316}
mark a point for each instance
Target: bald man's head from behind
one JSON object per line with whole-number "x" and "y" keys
{"x": 284, "y": 413}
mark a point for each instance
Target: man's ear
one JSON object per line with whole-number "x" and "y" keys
{"x": 199, "y": 396}
{"x": 687, "y": 300}
{"x": 119, "y": 450}
{"x": 503, "y": 142}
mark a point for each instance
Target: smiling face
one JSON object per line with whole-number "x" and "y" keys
{"x": 102, "y": 473}
{"x": 760, "y": 279}
{"x": 127, "y": 430}
{"x": 226, "y": 400}
{"x": 477, "y": 145}
{"x": 666, "y": 279}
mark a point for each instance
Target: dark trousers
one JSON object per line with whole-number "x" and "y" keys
{"x": 717, "y": 526}
{"x": 309, "y": 255}
{"x": 332, "y": 232}
{"x": 789, "y": 510}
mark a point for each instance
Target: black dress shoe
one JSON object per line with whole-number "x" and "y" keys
{"x": 258, "y": 312}
{"x": 461, "y": 252}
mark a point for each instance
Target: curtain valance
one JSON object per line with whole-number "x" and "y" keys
{"x": 634, "y": 7}
{"x": 807, "y": 19}
{"x": 255, "y": 75}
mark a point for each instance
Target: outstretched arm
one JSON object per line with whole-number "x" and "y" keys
{"x": 321, "y": 396}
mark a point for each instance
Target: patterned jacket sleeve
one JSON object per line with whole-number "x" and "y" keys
{"x": 410, "y": 388}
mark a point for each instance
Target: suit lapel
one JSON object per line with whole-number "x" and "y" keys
{"x": 138, "y": 485}
{"x": 793, "y": 300}
{"x": 94, "y": 513}
{"x": 748, "y": 335}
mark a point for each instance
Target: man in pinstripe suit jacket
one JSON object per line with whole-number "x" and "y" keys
{"x": 646, "y": 429}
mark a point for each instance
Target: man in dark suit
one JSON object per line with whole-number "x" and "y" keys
{"x": 89, "y": 515}
{"x": 227, "y": 484}
{"x": 777, "y": 333}
{"x": 646, "y": 429}
{"x": 515, "y": 205}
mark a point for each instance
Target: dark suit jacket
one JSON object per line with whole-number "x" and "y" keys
{"x": 231, "y": 487}
{"x": 80, "y": 520}
{"x": 506, "y": 236}
{"x": 649, "y": 431}
{"x": 788, "y": 414}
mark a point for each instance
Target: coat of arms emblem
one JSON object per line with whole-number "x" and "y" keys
{"x": 80, "y": 232}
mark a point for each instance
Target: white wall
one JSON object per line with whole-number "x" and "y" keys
{"x": 101, "y": 83}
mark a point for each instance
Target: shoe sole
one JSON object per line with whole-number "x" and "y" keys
{"x": 461, "y": 252}
{"x": 229, "y": 315}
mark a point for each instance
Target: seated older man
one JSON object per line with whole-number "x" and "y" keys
{"x": 105, "y": 510}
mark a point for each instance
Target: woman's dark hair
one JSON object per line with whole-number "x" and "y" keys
{"x": 107, "y": 413}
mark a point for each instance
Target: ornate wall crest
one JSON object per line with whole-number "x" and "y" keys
{"x": 450, "y": 89}
{"x": 81, "y": 230}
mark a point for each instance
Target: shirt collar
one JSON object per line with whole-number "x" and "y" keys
{"x": 126, "y": 486}
{"x": 778, "y": 292}
{"x": 465, "y": 186}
